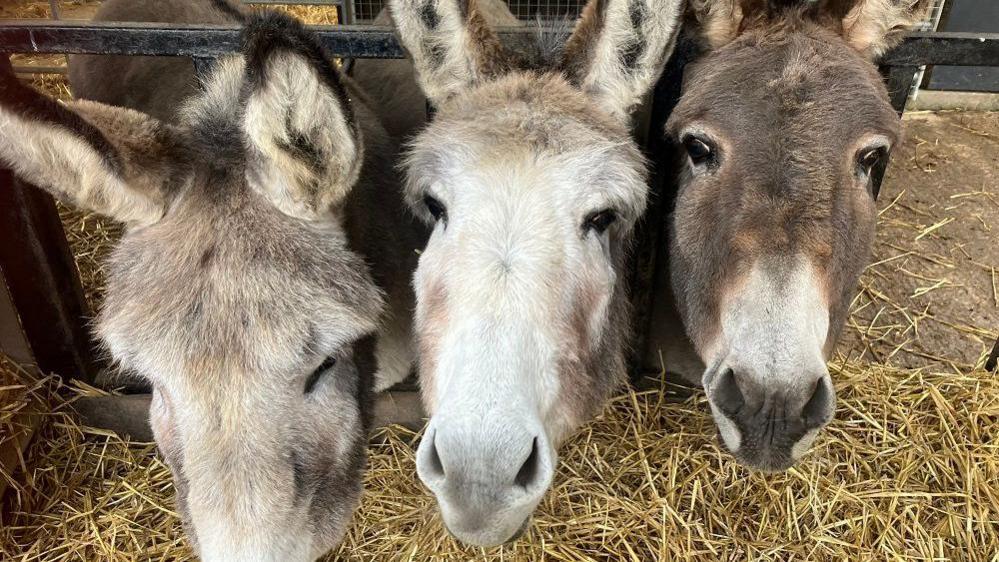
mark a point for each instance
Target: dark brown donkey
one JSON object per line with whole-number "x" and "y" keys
{"x": 783, "y": 122}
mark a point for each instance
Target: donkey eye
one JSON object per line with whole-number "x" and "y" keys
{"x": 598, "y": 221}
{"x": 310, "y": 383}
{"x": 699, "y": 150}
{"x": 435, "y": 208}
{"x": 868, "y": 158}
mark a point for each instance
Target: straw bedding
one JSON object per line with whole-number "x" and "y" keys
{"x": 906, "y": 471}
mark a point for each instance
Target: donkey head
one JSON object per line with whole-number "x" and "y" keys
{"x": 784, "y": 122}
{"x": 234, "y": 291}
{"x": 533, "y": 185}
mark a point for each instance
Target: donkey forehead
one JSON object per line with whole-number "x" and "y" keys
{"x": 246, "y": 285}
{"x": 533, "y": 132}
{"x": 812, "y": 89}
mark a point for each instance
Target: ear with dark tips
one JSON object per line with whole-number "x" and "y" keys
{"x": 305, "y": 147}
{"x": 619, "y": 48}
{"x": 115, "y": 161}
{"x": 450, "y": 44}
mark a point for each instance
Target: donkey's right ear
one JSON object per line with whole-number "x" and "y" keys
{"x": 117, "y": 162}
{"x": 450, "y": 44}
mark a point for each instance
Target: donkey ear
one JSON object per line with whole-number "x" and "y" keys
{"x": 450, "y": 44}
{"x": 117, "y": 162}
{"x": 720, "y": 21}
{"x": 619, "y": 48}
{"x": 304, "y": 145}
{"x": 874, "y": 26}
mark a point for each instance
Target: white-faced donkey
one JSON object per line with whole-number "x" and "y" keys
{"x": 533, "y": 184}
{"x": 241, "y": 289}
{"x": 784, "y": 122}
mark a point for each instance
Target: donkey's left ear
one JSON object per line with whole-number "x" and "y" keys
{"x": 305, "y": 147}
{"x": 619, "y": 48}
{"x": 874, "y": 26}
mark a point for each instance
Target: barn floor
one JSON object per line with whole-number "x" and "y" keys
{"x": 906, "y": 471}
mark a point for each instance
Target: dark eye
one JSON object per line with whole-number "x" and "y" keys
{"x": 435, "y": 208}
{"x": 310, "y": 383}
{"x": 598, "y": 221}
{"x": 699, "y": 150}
{"x": 868, "y": 158}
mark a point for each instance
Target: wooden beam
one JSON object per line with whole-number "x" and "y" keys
{"x": 43, "y": 313}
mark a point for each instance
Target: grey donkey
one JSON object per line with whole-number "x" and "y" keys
{"x": 264, "y": 240}
{"x": 784, "y": 121}
{"x": 532, "y": 183}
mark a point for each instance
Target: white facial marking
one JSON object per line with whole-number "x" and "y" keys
{"x": 776, "y": 325}
{"x": 804, "y": 444}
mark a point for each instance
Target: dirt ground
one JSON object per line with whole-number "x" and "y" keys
{"x": 932, "y": 291}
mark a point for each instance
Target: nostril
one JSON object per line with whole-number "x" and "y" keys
{"x": 727, "y": 396}
{"x": 529, "y": 470}
{"x": 435, "y": 466}
{"x": 816, "y": 410}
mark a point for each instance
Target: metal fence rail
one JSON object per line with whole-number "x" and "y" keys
{"x": 367, "y": 41}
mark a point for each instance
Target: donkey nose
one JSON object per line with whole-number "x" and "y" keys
{"x": 487, "y": 477}
{"x": 512, "y": 463}
{"x": 741, "y": 395}
{"x": 819, "y": 407}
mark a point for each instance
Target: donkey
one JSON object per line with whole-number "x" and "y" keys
{"x": 240, "y": 289}
{"x": 784, "y": 121}
{"x": 532, "y": 184}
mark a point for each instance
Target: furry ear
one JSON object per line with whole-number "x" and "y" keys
{"x": 619, "y": 48}
{"x": 117, "y": 162}
{"x": 304, "y": 145}
{"x": 450, "y": 44}
{"x": 874, "y": 26}
{"x": 720, "y": 20}
{"x": 869, "y": 26}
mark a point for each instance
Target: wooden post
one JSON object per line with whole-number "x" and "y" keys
{"x": 42, "y": 308}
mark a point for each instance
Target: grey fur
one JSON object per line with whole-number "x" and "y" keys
{"x": 227, "y": 304}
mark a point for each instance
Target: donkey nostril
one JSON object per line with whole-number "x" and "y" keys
{"x": 436, "y": 467}
{"x": 816, "y": 410}
{"x": 529, "y": 470}
{"x": 727, "y": 395}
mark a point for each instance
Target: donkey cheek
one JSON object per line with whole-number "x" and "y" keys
{"x": 432, "y": 319}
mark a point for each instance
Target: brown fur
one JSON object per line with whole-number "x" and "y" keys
{"x": 789, "y": 97}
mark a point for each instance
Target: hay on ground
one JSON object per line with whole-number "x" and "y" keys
{"x": 906, "y": 471}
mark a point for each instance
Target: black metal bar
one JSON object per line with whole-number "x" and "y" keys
{"x": 899, "y": 81}
{"x": 157, "y": 39}
{"x": 42, "y": 36}
{"x": 947, "y": 48}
